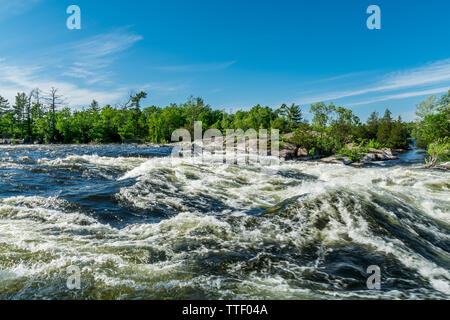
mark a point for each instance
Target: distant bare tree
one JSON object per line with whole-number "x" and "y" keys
{"x": 54, "y": 101}
{"x": 126, "y": 102}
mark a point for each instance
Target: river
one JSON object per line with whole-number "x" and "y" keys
{"x": 139, "y": 226}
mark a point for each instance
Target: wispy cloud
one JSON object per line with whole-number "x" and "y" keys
{"x": 206, "y": 67}
{"x": 402, "y": 95}
{"x": 11, "y": 8}
{"x": 95, "y": 54}
{"x": 15, "y": 79}
{"x": 106, "y": 44}
{"x": 74, "y": 68}
{"x": 437, "y": 73}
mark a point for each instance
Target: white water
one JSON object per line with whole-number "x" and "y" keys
{"x": 226, "y": 233}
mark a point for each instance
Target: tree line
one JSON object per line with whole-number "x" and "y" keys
{"x": 45, "y": 118}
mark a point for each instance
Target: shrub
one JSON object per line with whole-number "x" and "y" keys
{"x": 354, "y": 154}
{"x": 438, "y": 151}
{"x": 374, "y": 145}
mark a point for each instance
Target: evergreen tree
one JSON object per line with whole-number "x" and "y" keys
{"x": 372, "y": 126}
{"x": 4, "y": 110}
{"x": 384, "y": 128}
{"x": 19, "y": 112}
{"x": 4, "y": 106}
{"x": 94, "y": 107}
{"x": 398, "y": 135}
{"x": 293, "y": 115}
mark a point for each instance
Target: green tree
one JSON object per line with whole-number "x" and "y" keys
{"x": 19, "y": 112}
{"x": 4, "y": 106}
{"x": 384, "y": 128}
{"x": 426, "y": 107}
{"x": 398, "y": 135}
{"x": 293, "y": 115}
{"x": 4, "y": 110}
{"x": 322, "y": 114}
{"x": 344, "y": 125}
{"x": 434, "y": 122}
{"x": 55, "y": 101}
{"x": 372, "y": 125}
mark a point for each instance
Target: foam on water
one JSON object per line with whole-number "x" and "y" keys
{"x": 286, "y": 231}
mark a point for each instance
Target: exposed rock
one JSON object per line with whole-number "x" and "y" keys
{"x": 371, "y": 157}
{"x": 444, "y": 165}
{"x": 302, "y": 152}
{"x": 288, "y": 136}
{"x": 372, "y": 150}
{"x": 385, "y": 154}
{"x": 357, "y": 164}
{"x": 12, "y": 141}
{"x": 340, "y": 159}
{"x": 288, "y": 151}
{"x": 389, "y": 152}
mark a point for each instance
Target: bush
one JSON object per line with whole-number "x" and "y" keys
{"x": 438, "y": 151}
{"x": 374, "y": 145}
{"x": 354, "y": 154}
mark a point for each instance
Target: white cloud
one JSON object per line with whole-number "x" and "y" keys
{"x": 402, "y": 95}
{"x": 433, "y": 73}
{"x": 15, "y": 79}
{"x": 86, "y": 64}
{"x": 90, "y": 57}
{"x": 104, "y": 44}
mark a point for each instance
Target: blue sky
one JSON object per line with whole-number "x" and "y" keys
{"x": 234, "y": 54}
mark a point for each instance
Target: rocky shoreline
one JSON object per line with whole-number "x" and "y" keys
{"x": 289, "y": 151}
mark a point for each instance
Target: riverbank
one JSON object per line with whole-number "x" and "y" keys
{"x": 287, "y": 152}
{"x": 290, "y": 152}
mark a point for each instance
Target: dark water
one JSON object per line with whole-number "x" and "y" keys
{"x": 140, "y": 226}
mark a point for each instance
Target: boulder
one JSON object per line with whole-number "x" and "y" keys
{"x": 288, "y": 151}
{"x": 340, "y": 159}
{"x": 379, "y": 156}
{"x": 372, "y": 150}
{"x": 302, "y": 152}
{"x": 288, "y": 136}
{"x": 389, "y": 152}
{"x": 444, "y": 165}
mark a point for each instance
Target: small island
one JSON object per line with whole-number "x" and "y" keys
{"x": 334, "y": 134}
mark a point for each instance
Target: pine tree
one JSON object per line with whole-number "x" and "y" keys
{"x": 293, "y": 115}
{"x": 4, "y": 109}
{"x": 384, "y": 128}
{"x": 398, "y": 135}
{"x": 94, "y": 107}
{"x": 4, "y": 106}
{"x": 20, "y": 111}
{"x": 372, "y": 125}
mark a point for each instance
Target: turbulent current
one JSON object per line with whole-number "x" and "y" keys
{"x": 141, "y": 226}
